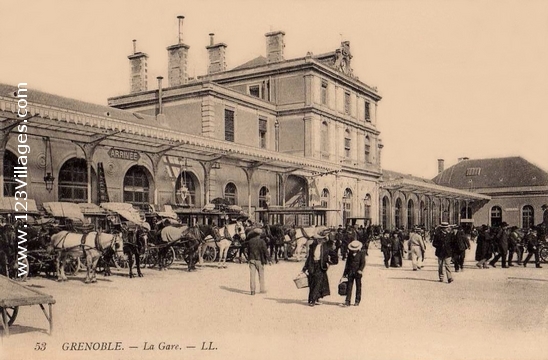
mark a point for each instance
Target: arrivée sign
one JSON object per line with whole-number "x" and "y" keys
{"x": 124, "y": 154}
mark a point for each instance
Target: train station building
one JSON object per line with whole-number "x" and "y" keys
{"x": 270, "y": 133}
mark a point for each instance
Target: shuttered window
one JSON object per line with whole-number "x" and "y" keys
{"x": 262, "y": 133}
{"x": 367, "y": 111}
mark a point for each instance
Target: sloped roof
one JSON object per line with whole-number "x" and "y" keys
{"x": 258, "y": 61}
{"x": 39, "y": 97}
{"x": 493, "y": 173}
{"x": 389, "y": 175}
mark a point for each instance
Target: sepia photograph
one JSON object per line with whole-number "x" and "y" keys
{"x": 290, "y": 179}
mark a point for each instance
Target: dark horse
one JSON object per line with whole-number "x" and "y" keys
{"x": 189, "y": 238}
{"x": 274, "y": 239}
{"x": 135, "y": 244}
{"x": 8, "y": 250}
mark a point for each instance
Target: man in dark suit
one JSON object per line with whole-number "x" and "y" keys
{"x": 443, "y": 242}
{"x": 532, "y": 243}
{"x": 320, "y": 255}
{"x": 353, "y": 270}
{"x": 502, "y": 243}
{"x": 258, "y": 257}
{"x": 386, "y": 247}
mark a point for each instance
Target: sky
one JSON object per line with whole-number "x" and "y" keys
{"x": 458, "y": 78}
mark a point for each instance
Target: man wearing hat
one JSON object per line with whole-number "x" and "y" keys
{"x": 443, "y": 239}
{"x": 353, "y": 270}
{"x": 320, "y": 256}
{"x": 258, "y": 257}
{"x": 386, "y": 247}
{"x": 417, "y": 247}
{"x": 501, "y": 239}
{"x": 531, "y": 239}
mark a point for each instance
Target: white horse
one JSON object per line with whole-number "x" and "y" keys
{"x": 303, "y": 240}
{"x": 92, "y": 245}
{"x": 227, "y": 234}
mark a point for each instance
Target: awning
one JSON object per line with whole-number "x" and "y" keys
{"x": 8, "y": 205}
{"x": 64, "y": 210}
{"x": 418, "y": 187}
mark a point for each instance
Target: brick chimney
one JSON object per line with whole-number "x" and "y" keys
{"x": 138, "y": 64}
{"x": 441, "y": 165}
{"x": 178, "y": 59}
{"x": 217, "y": 59}
{"x": 275, "y": 46}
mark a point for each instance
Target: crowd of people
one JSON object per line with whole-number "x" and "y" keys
{"x": 351, "y": 244}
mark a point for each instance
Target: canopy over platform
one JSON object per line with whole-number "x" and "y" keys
{"x": 418, "y": 187}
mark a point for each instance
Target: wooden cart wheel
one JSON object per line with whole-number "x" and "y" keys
{"x": 152, "y": 258}
{"x": 170, "y": 256}
{"x": 11, "y": 313}
{"x": 543, "y": 252}
{"x": 210, "y": 253}
{"x": 72, "y": 265}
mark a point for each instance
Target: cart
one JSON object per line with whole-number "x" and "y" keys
{"x": 14, "y": 295}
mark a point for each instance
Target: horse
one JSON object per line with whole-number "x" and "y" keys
{"x": 190, "y": 237}
{"x": 303, "y": 241}
{"x": 227, "y": 234}
{"x": 92, "y": 245}
{"x": 8, "y": 249}
{"x": 276, "y": 236}
{"x": 135, "y": 244}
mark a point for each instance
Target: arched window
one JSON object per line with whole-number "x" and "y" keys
{"x": 136, "y": 188}
{"x": 367, "y": 149}
{"x": 496, "y": 216}
{"x": 325, "y": 198}
{"x": 385, "y": 212}
{"x": 325, "y": 140}
{"x": 73, "y": 181}
{"x": 528, "y": 217}
{"x": 185, "y": 189}
{"x": 422, "y": 211}
{"x": 264, "y": 197}
{"x": 10, "y": 161}
{"x": 410, "y": 214}
{"x": 347, "y": 204}
{"x": 231, "y": 193}
{"x": 398, "y": 213}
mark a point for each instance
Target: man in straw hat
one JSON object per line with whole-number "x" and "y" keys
{"x": 417, "y": 247}
{"x": 320, "y": 255}
{"x": 353, "y": 270}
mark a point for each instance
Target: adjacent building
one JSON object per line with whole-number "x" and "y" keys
{"x": 518, "y": 189}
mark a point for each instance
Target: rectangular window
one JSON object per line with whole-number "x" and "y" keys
{"x": 229, "y": 125}
{"x": 255, "y": 90}
{"x": 323, "y": 93}
{"x": 347, "y": 103}
{"x": 367, "y": 111}
{"x": 347, "y": 147}
{"x": 262, "y": 133}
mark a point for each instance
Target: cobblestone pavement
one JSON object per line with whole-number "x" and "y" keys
{"x": 404, "y": 314}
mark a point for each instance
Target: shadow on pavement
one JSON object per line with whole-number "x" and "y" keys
{"x": 302, "y": 302}
{"x": 410, "y": 278}
{"x": 237, "y": 291}
{"x": 20, "y": 329}
{"x": 531, "y": 279}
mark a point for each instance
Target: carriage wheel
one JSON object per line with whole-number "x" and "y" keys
{"x": 170, "y": 256}
{"x": 72, "y": 265}
{"x": 11, "y": 313}
{"x": 187, "y": 257}
{"x": 210, "y": 253}
{"x": 543, "y": 252}
{"x": 152, "y": 258}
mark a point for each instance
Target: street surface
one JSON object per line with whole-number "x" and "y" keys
{"x": 404, "y": 314}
